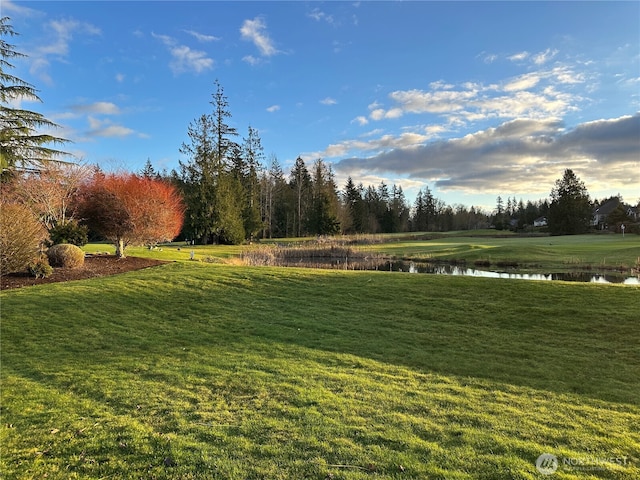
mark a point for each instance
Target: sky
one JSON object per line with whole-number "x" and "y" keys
{"x": 472, "y": 99}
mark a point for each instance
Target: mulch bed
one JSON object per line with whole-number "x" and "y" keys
{"x": 94, "y": 266}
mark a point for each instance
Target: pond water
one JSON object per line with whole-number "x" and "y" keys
{"x": 445, "y": 269}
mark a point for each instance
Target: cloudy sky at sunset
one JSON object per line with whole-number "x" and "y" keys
{"x": 474, "y": 100}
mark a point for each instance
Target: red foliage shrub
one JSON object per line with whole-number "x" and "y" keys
{"x": 131, "y": 210}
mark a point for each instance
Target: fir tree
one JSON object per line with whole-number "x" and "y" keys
{"x": 22, "y": 146}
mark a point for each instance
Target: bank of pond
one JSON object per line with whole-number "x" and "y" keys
{"x": 456, "y": 269}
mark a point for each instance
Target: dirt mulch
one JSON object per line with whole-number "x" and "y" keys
{"x": 94, "y": 266}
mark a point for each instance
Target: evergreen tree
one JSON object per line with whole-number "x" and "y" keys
{"x": 148, "y": 171}
{"x": 499, "y": 214}
{"x": 198, "y": 179}
{"x": 570, "y": 209}
{"x": 275, "y": 201}
{"x": 223, "y": 133}
{"x": 252, "y": 156}
{"x": 21, "y": 145}
{"x": 399, "y": 210}
{"x": 212, "y": 190}
{"x": 300, "y": 184}
{"x": 419, "y": 218}
{"x": 323, "y": 218}
{"x": 355, "y": 207}
{"x": 424, "y": 211}
{"x": 372, "y": 204}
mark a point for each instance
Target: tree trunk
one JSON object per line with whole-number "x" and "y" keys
{"x": 120, "y": 248}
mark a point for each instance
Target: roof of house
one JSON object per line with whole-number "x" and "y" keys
{"x": 607, "y": 207}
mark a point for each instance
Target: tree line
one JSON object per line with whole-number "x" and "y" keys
{"x": 231, "y": 196}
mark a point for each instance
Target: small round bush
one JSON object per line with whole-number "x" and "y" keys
{"x": 65, "y": 255}
{"x": 70, "y": 232}
{"x": 21, "y": 235}
{"x": 40, "y": 267}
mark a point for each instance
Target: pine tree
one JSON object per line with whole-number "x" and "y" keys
{"x": 252, "y": 155}
{"x": 355, "y": 207}
{"x": 21, "y": 145}
{"x": 274, "y": 200}
{"x": 199, "y": 177}
{"x": 300, "y": 184}
{"x": 148, "y": 171}
{"x": 323, "y": 218}
{"x": 212, "y": 192}
{"x": 570, "y": 208}
{"x": 399, "y": 210}
{"x": 223, "y": 133}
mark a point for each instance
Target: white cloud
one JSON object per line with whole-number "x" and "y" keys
{"x": 184, "y": 59}
{"x": 201, "y": 37}
{"x": 566, "y": 75}
{"x": 61, "y": 33}
{"x": 537, "y": 94}
{"x": 319, "y": 15}
{"x": 441, "y": 85}
{"x": 490, "y": 58}
{"x": 120, "y": 77}
{"x": 255, "y": 31}
{"x": 543, "y": 57}
{"x": 18, "y": 10}
{"x": 104, "y": 128}
{"x": 518, "y": 57}
{"x": 518, "y": 155}
{"x": 102, "y": 108}
{"x": 273, "y": 108}
{"x": 523, "y": 82}
{"x": 360, "y": 120}
{"x": 251, "y": 60}
{"x": 328, "y": 101}
{"x": 440, "y": 101}
{"x": 405, "y": 140}
{"x": 433, "y": 130}
{"x": 377, "y": 114}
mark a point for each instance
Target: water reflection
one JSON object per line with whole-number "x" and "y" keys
{"x": 445, "y": 269}
{"x": 472, "y": 272}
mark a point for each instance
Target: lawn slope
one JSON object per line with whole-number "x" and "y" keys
{"x": 196, "y": 371}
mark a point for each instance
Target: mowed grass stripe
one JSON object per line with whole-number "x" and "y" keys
{"x": 208, "y": 371}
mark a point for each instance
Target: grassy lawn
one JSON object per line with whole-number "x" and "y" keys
{"x": 193, "y": 370}
{"x": 557, "y": 253}
{"x": 176, "y": 251}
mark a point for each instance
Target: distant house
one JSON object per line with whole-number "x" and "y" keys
{"x": 601, "y": 213}
{"x": 540, "y": 222}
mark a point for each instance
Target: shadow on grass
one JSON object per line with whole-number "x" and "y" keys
{"x": 568, "y": 339}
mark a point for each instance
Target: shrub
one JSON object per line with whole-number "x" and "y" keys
{"x": 40, "y": 267}
{"x": 70, "y": 232}
{"x": 21, "y": 236}
{"x": 65, "y": 255}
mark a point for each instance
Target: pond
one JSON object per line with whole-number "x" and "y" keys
{"x": 457, "y": 270}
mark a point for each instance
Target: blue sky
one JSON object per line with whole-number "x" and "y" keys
{"x": 474, "y": 100}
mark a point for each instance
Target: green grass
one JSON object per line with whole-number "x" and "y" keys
{"x": 558, "y": 253}
{"x": 198, "y": 371}
{"x": 175, "y": 251}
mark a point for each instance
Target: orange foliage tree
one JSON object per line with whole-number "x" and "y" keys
{"x": 131, "y": 210}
